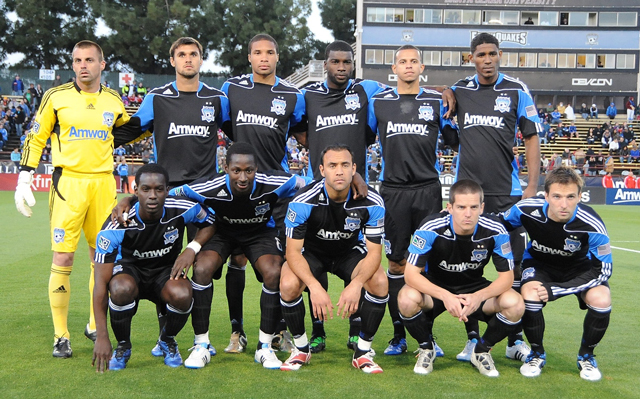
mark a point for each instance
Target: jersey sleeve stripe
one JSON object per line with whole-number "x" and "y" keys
{"x": 491, "y": 225}
{"x": 591, "y": 221}
{"x": 605, "y": 273}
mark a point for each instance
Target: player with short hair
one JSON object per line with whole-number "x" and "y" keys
{"x": 408, "y": 120}
{"x": 568, "y": 253}
{"x": 325, "y": 226}
{"x": 445, "y": 270}
{"x": 79, "y": 118}
{"x": 491, "y": 107}
{"x": 137, "y": 261}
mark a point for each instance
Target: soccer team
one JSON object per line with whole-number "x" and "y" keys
{"x": 293, "y": 230}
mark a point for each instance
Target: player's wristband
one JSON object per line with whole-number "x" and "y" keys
{"x": 195, "y": 246}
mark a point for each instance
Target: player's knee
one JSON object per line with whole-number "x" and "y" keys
{"x": 528, "y": 291}
{"x": 122, "y": 291}
{"x": 271, "y": 277}
{"x": 512, "y": 305}
{"x": 290, "y": 286}
{"x": 396, "y": 267}
{"x": 378, "y": 284}
{"x": 408, "y": 301}
{"x": 178, "y": 295}
{"x": 598, "y": 297}
{"x": 63, "y": 258}
{"x": 204, "y": 268}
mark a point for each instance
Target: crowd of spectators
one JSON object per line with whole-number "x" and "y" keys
{"x": 133, "y": 94}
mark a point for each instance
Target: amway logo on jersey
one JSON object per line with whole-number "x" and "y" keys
{"x": 458, "y": 267}
{"x": 332, "y": 121}
{"x": 333, "y": 235}
{"x": 156, "y": 253}
{"x": 187, "y": 130}
{"x": 483, "y": 120}
{"x": 87, "y": 134}
{"x": 252, "y": 119}
{"x": 258, "y": 219}
{"x": 547, "y": 250}
{"x": 406, "y": 128}
{"x": 591, "y": 82}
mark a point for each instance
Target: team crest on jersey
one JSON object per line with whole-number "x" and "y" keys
{"x": 171, "y": 236}
{"x": 425, "y": 112}
{"x": 58, "y": 235}
{"x": 278, "y": 106}
{"x": 36, "y": 127}
{"x": 351, "y": 224}
{"x": 179, "y": 192}
{"x": 418, "y": 242}
{"x": 107, "y": 118}
{"x": 116, "y": 269}
{"x": 478, "y": 255}
{"x": 352, "y": 101}
{"x": 208, "y": 113}
{"x": 262, "y": 209}
{"x": 291, "y": 215}
{"x": 502, "y": 104}
{"x": 528, "y": 273}
{"x": 571, "y": 245}
{"x": 387, "y": 247}
{"x": 103, "y": 243}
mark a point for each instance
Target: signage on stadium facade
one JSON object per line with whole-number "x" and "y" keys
{"x": 505, "y": 37}
{"x": 623, "y": 196}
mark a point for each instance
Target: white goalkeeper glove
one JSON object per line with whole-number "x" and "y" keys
{"x": 24, "y": 194}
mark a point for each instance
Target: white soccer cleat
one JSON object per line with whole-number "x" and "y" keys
{"x": 199, "y": 357}
{"x": 465, "y": 355}
{"x": 296, "y": 360}
{"x": 267, "y": 357}
{"x": 519, "y": 351}
{"x": 424, "y": 365}
{"x": 589, "y": 368}
{"x": 484, "y": 363}
{"x": 24, "y": 194}
{"x": 533, "y": 364}
{"x": 366, "y": 363}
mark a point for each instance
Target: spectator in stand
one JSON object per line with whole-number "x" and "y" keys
{"x": 544, "y": 164}
{"x": 569, "y": 113}
{"x": 606, "y": 138}
{"x": 607, "y": 181}
{"x": 544, "y": 131}
{"x": 57, "y": 82}
{"x": 125, "y": 90}
{"x": 591, "y": 138}
{"x": 18, "y": 120}
{"x": 123, "y": 172}
{"x": 630, "y": 180}
{"x": 611, "y": 111}
{"x": 623, "y": 149}
{"x": 573, "y": 131}
{"x": 579, "y": 158}
{"x": 613, "y": 144}
{"x": 141, "y": 90}
{"x": 125, "y": 100}
{"x": 555, "y": 116}
{"x": 634, "y": 153}
{"x": 15, "y": 157}
{"x": 630, "y": 106}
{"x": 119, "y": 153}
{"x": 37, "y": 98}
{"x": 549, "y": 109}
{"x": 561, "y": 108}
{"x": 4, "y": 136}
{"x": 551, "y": 136}
{"x": 454, "y": 161}
{"x": 25, "y": 107}
{"x": 17, "y": 86}
{"x": 519, "y": 139}
{"x": 584, "y": 111}
{"x": 566, "y": 158}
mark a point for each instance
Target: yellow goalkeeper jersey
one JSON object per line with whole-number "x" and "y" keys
{"x": 80, "y": 126}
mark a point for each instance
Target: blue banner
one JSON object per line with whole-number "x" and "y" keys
{"x": 623, "y": 196}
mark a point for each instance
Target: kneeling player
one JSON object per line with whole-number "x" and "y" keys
{"x": 324, "y": 225}
{"x": 568, "y": 253}
{"x": 446, "y": 259}
{"x": 135, "y": 262}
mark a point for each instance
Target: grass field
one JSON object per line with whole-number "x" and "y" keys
{"x": 27, "y": 369}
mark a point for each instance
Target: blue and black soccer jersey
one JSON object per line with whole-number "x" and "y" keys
{"x": 339, "y": 117}
{"x": 242, "y": 215}
{"x": 261, "y": 115}
{"x": 580, "y": 245}
{"x": 488, "y": 118}
{"x": 185, "y": 128}
{"x": 330, "y": 229}
{"x": 149, "y": 246}
{"x": 456, "y": 262}
{"x": 408, "y": 126}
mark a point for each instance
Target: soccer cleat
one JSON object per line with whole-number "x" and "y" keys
{"x": 267, "y": 357}
{"x": 484, "y": 363}
{"x": 533, "y": 364}
{"x": 424, "y": 365}
{"x": 465, "y": 355}
{"x": 352, "y": 343}
{"x": 296, "y": 360}
{"x": 519, "y": 351}
{"x": 171, "y": 353}
{"x": 397, "y": 346}
{"x": 588, "y": 368}
{"x": 199, "y": 357}
{"x": 91, "y": 334}
{"x": 366, "y": 363}
{"x": 237, "y": 343}
{"x": 62, "y": 348}
{"x": 317, "y": 344}
{"x": 119, "y": 358}
{"x": 282, "y": 342}
{"x": 157, "y": 351}
{"x": 439, "y": 351}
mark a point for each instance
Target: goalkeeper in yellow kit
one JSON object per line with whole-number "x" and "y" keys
{"x": 79, "y": 118}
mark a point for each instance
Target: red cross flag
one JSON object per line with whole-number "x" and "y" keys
{"x": 126, "y": 78}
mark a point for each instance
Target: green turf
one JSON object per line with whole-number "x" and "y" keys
{"x": 28, "y": 370}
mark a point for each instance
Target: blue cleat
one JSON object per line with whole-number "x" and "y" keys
{"x": 465, "y": 355}
{"x": 397, "y": 346}
{"x": 119, "y": 358}
{"x": 588, "y": 368}
{"x": 439, "y": 351}
{"x": 171, "y": 353}
{"x": 157, "y": 351}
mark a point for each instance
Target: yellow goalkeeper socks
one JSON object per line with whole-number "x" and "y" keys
{"x": 92, "y": 282}
{"x": 59, "y": 295}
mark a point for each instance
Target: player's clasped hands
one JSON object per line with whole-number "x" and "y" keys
{"x": 454, "y": 306}
{"x": 470, "y": 303}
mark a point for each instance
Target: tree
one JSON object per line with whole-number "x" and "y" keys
{"x": 339, "y": 16}
{"x": 285, "y": 20}
{"x": 46, "y": 31}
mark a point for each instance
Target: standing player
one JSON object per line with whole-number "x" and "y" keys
{"x": 243, "y": 201}
{"x": 568, "y": 253}
{"x": 79, "y": 118}
{"x": 408, "y": 120}
{"x": 135, "y": 262}
{"x": 447, "y": 257}
{"x": 324, "y": 228}
{"x": 491, "y": 108}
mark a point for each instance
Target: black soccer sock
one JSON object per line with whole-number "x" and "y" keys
{"x": 473, "y": 329}
{"x": 318, "y": 325}
{"x": 121, "y": 316}
{"x": 533, "y": 324}
{"x": 372, "y": 313}
{"x": 515, "y": 335}
{"x": 595, "y": 325}
{"x": 355, "y": 320}
{"x": 293, "y": 313}
{"x": 202, "y": 296}
{"x": 420, "y": 327}
{"x": 497, "y": 329}
{"x": 235, "y": 281}
{"x": 270, "y": 312}
{"x": 176, "y": 319}
{"x": 396, "y": 282}
{"x": 161, "y": 310}
{"x": 281, "y": 326}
